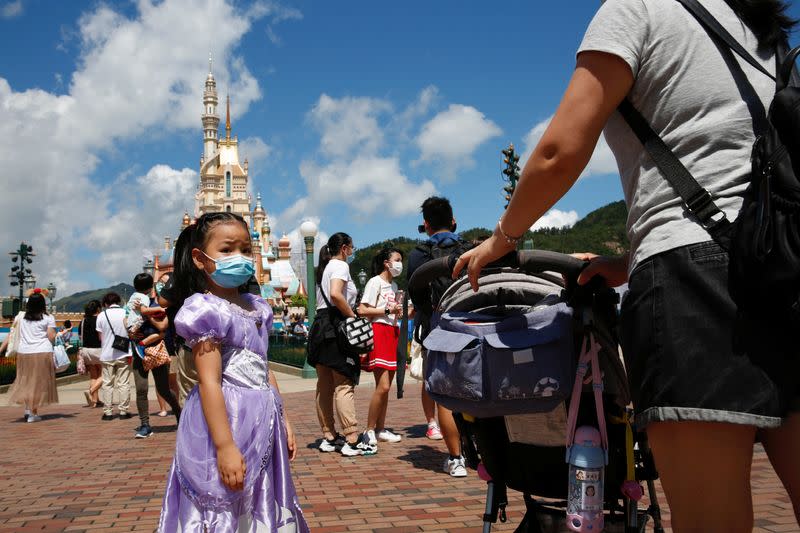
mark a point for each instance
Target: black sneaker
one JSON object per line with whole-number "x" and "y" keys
{"x": 125, "y": 416}
{"x": 107, "y": 417}
{"x": 144, "y": 432}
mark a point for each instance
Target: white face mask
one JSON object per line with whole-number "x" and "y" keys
{"x": 396, "y": 268}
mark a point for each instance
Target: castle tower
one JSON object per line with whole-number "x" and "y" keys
{"x": 186, "y": 221}
{"x": 223, "y": 180}
{"x": 209, "y": 117}
{"x": 284, "y": 248}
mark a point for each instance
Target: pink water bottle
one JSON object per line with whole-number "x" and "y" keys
{"x": 587, "y": 461}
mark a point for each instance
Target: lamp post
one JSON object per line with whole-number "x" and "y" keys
{"x": 309, "y": 230}
{"x": 51, "y": 293}
{"x": 362, "y": 278}
{"x": 30, "y": 282}
{"x": 20, "y": 273}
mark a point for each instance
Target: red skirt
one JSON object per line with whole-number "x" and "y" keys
{"x": 384, "y": 352}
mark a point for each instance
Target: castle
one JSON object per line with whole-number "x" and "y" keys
{"x": 223, "y": 186}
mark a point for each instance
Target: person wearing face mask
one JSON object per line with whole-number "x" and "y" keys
{"x": 382, "y": 303}
{"x": 337, "y": 373}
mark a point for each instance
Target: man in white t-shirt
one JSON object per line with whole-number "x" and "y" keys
{"x": 116, "y": 371}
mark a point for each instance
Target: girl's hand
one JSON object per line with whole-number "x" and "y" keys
{"x": 231, "y": 466}
{"x": 613, "y": 270}
{"x": 489, "y": 250}
{"x": 291, "y": 444}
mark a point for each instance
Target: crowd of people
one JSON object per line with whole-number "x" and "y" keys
{"x": 702, "y": 401}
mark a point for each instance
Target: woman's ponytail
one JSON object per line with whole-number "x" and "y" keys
{"x": 767, "y": 19}
{"x": 332, "y": 248}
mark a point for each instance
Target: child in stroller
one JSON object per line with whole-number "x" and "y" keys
{"x": 504, "y": 358}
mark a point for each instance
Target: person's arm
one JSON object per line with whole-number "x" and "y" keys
{"x": 4, "y": 344}
{"x": 148, "y": 311}
{"x": 599, "y": 84}
{"x": 291, "y": 442}
{"x": 338, "y": 287}
{"x": 208, "y": 361}
{"x": 51, "y": 333}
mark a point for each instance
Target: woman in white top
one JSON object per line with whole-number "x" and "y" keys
{"x": 337, "y": 373}
{"x": 381, "y": 304}
{"x": 702, "y": 399}
{"x": 35, "y": 384}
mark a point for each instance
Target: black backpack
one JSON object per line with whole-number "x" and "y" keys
{"x": 424, "y": 310}
{"x": 763, "y": 242}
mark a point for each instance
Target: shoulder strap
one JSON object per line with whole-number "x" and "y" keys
{"x": 83, "y": 322}
{"x": 697, "y": 200}
{"x": 712, "y": 26}
{"x": 109, "y": 323}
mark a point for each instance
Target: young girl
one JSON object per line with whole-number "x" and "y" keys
{"x": 231, "y": 467}
{"x": 381, "y": 305}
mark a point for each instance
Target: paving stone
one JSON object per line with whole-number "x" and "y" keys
{"x": 74, "y": 472}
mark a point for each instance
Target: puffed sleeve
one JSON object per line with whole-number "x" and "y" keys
{"x": 266, "y": 312}
{"x": 203, "y": 317}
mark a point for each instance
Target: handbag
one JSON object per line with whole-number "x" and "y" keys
{"x": 121, "y": 344}
{"x": 14, "y": 335}
{"x": 60, "y": 358}
{"x": 417, "y": 360}
{"x": 155, "y": 356}
{"x": 353, "y": 334}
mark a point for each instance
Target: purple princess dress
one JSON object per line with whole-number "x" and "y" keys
{"x": 196, "y": 500}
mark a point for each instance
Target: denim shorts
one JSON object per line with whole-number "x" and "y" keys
{"x": 681, "y": 350}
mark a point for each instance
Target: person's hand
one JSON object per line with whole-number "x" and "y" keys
{"x": 136, "y": 335}
{"x": 613, "y": 270}
{"x": 291, "y": 443}
{"x": 231, "y": 466}
{"x": 489, "y": 250}
{"x": 136, "y": 305}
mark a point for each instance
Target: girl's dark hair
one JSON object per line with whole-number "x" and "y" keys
{"x": 111, "y": 298}
{"x": 384, "y": 255}
{"x": 36, "y": 307}
{"x": 187, "y": 279}
{"x": 67, "y": 323}
{"x": 767, "y": 19}
{"x": 91, "y": 308}
{"x": 333, "y": 247}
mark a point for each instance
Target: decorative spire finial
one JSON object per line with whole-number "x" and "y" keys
{"x": 209, "y": 62}
{"x": 228, "y": 119}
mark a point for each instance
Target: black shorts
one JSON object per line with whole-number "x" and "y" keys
{"x": 684, "y": 360}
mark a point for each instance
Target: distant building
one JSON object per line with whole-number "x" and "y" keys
{"x": 224, "y": 187}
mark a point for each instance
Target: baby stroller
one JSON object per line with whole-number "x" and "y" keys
{"x": 504, "y": 360}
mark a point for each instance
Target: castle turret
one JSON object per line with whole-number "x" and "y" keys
{"x": 209, "y": 118}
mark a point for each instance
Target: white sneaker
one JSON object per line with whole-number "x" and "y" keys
{"x": 327, "y": 445}
{"x": 455, "y": 467}
{"x": 387, "y": 436}
{"x": 372, "y": 438}
{"x": 352, "y": 450}
{"x": 34, "y": 418}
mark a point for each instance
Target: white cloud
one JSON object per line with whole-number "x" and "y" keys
{"x": 11, "y": 9}
{"x": 556, "y": 219}
{"x": 350, "y": 168}
{"x": 348, "y": 124}
{"x": 256, "y": 151}
{"x": 124, "y": 89}
{"x": 453, "y": 135}
{"x": 601, "y": 163}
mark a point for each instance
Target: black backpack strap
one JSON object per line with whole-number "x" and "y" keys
{"x": 697, "y": 200}
{"x": 713, "y": 26}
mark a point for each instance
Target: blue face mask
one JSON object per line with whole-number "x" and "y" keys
{"x": 350, "y": 258}
{"x": 232, "y": 271}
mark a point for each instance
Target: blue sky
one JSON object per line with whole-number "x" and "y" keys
{"x": 397, "y": 99}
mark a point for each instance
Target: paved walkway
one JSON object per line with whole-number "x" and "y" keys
{"x": 73, "y": 472}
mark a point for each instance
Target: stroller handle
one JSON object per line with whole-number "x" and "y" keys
{"x": 530, "y": 261}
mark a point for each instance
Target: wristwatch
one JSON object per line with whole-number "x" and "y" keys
{"x": 386, "y": 311}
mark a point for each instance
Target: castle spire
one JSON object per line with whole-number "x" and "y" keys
{"x": 228, "y": 119}
{"x": 209, "y": 62}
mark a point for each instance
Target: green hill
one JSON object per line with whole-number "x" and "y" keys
{"x": 602, "y": 231}
{"x": 77, "y": 301}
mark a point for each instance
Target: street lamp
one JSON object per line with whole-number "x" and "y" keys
{"x": 309, "y": 230}
{"x": 51, "y": 289}
{"x": 30, "y": 283}
{"x": 362, "y": 277}
{"x": 20, "y": 272}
